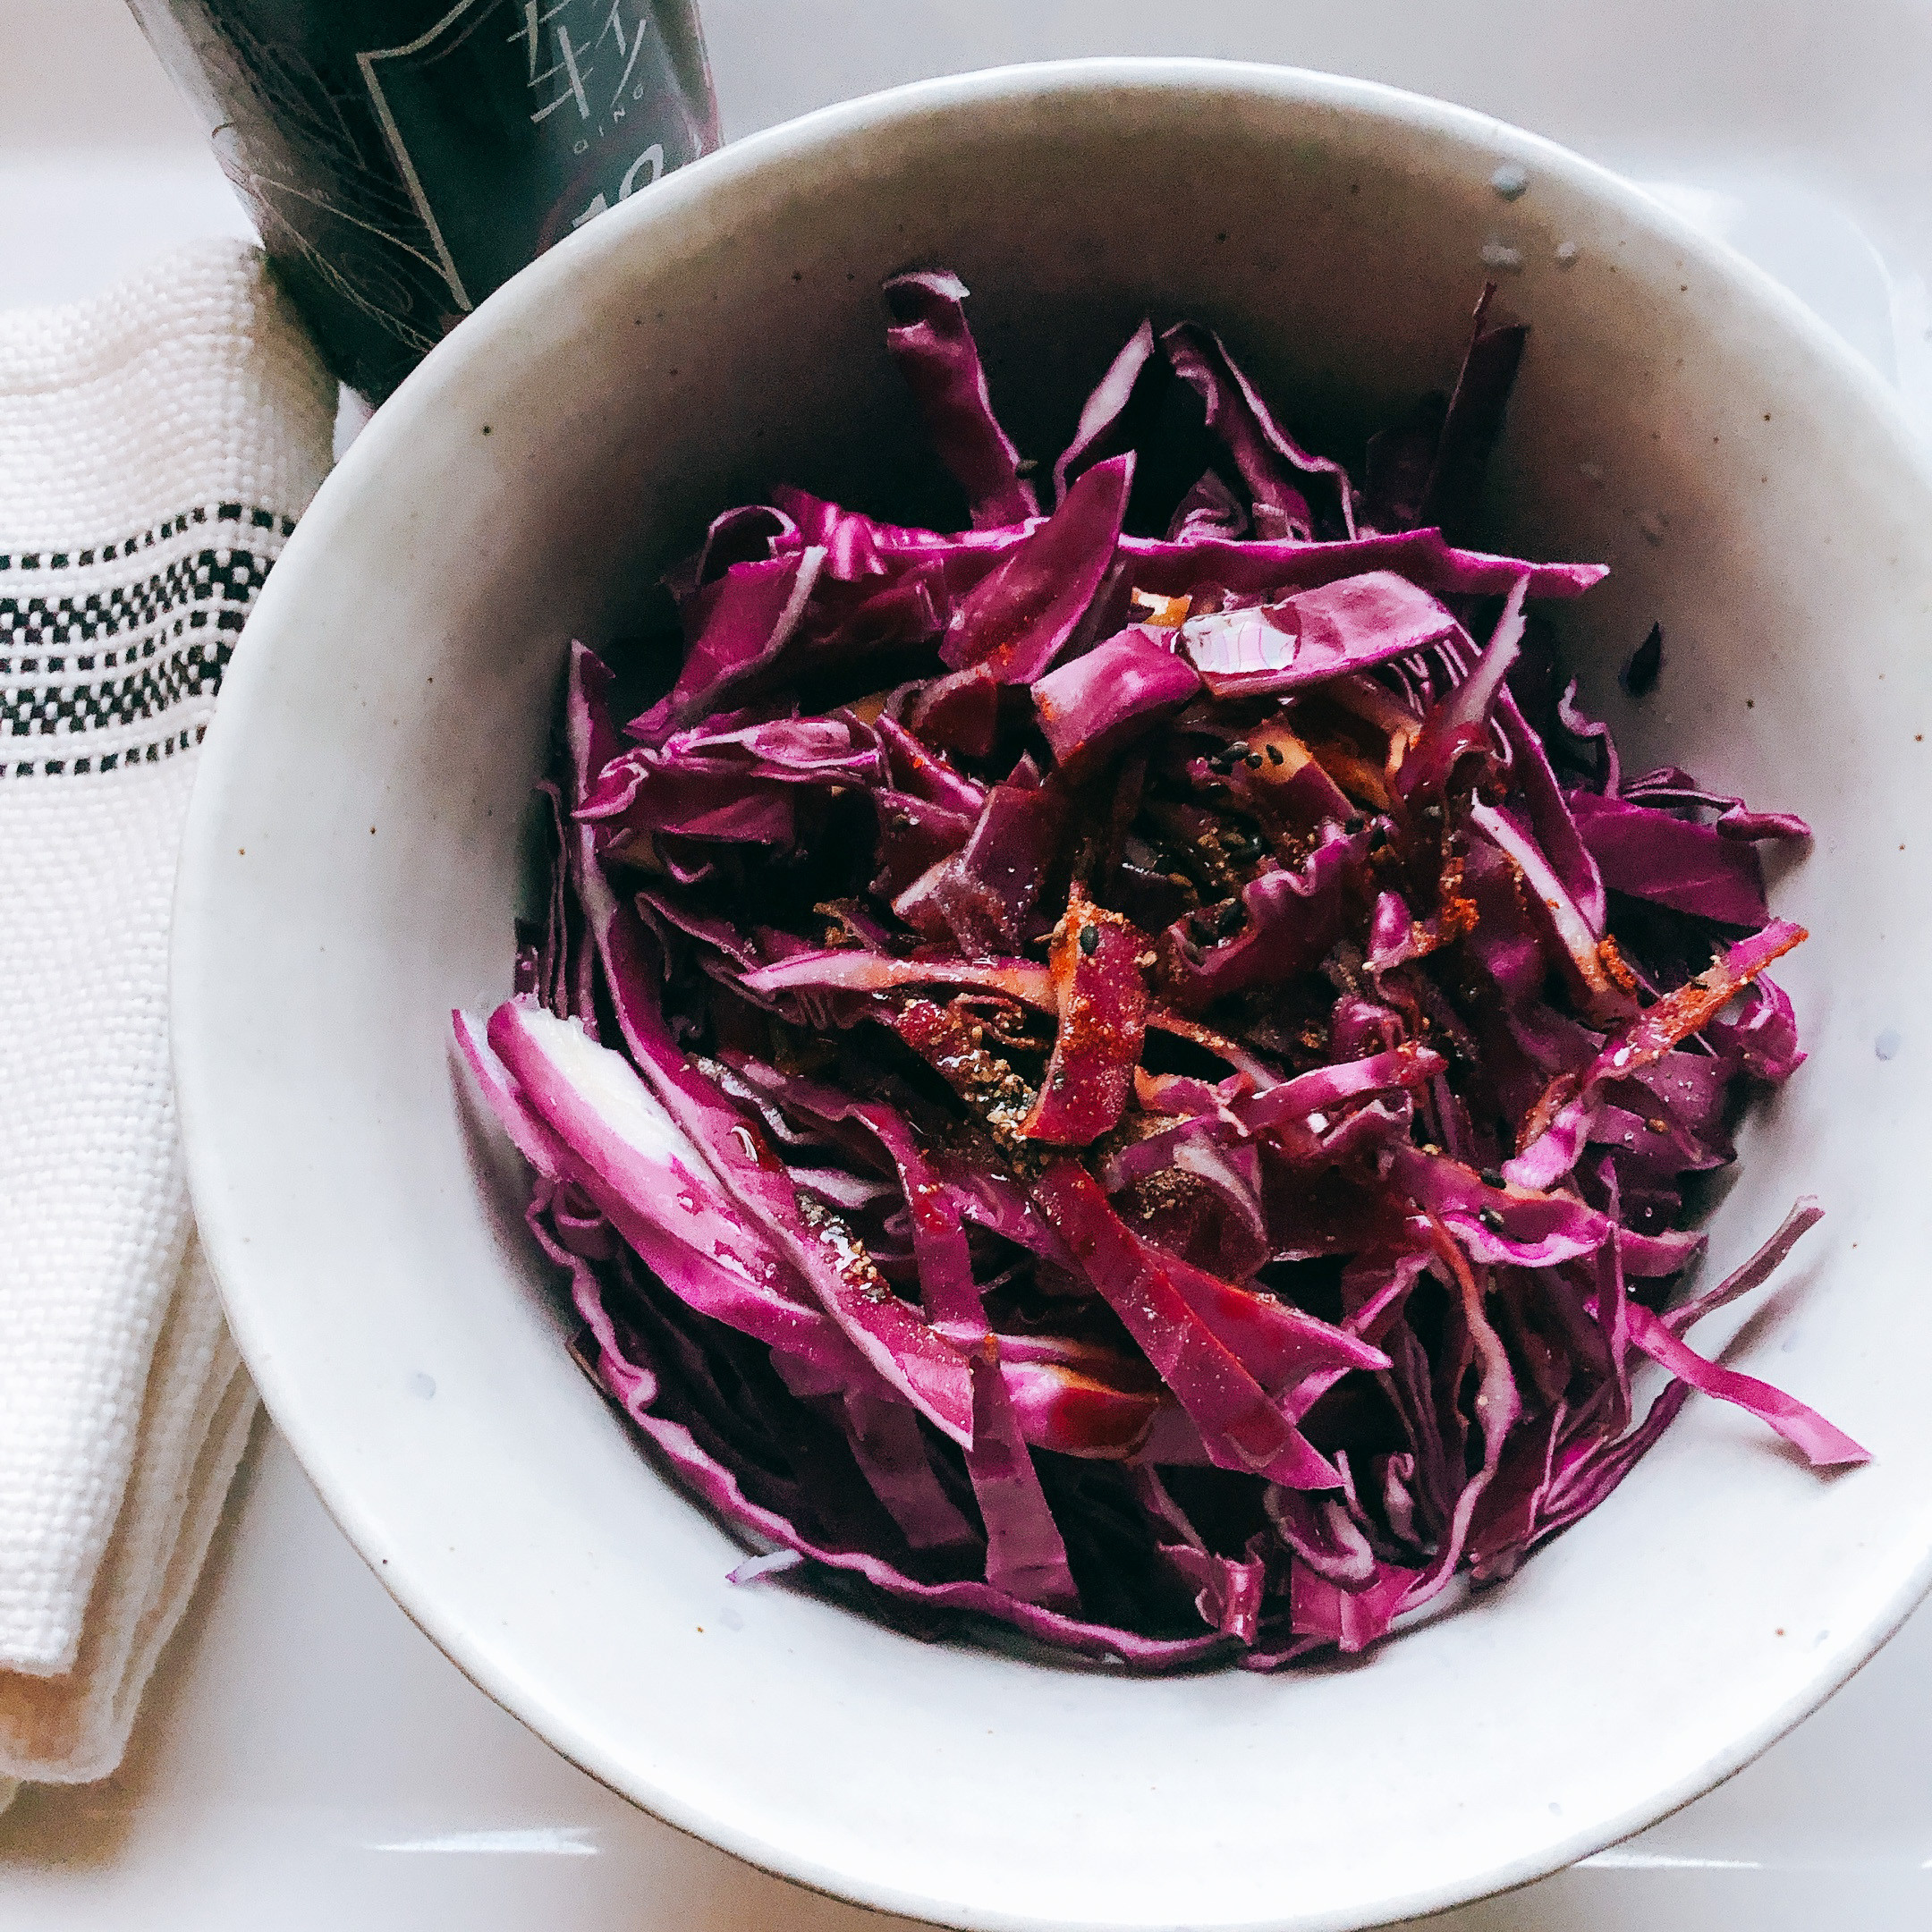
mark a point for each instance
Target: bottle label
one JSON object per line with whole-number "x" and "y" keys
{"x": 513, "y": 121}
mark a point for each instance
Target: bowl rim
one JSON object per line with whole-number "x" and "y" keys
{"x": 193, "y": 936}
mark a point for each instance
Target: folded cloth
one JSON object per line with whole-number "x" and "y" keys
{"x": 156, "y": 445}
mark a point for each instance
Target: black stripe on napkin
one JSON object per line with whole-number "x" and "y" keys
{"x": 96, "y": 657}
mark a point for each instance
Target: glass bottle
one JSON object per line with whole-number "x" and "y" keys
{"x": 403, "y": 158}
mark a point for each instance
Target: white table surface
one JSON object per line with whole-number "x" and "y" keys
{"x": 306, "y": 1759}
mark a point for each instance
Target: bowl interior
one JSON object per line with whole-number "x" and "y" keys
{"x": 351, "y": 868}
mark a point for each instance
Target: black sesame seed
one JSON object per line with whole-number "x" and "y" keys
{"x": 1089, "y": 939}
{"x": 1351, "y": 826}
{"x": 1274, "y": 756}
{"x": 1377, "y": 837}
{"x": 1237, "y": 748}
{"x": 1491, "y": 1220}
{"x": 1492, "y": 1177}
{"x": 1252, "y": 761}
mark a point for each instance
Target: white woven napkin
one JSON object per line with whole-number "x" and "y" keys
{"x": 156, "y": 446}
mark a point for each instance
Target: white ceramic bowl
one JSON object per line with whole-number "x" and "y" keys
{"x": 352, "y": 862}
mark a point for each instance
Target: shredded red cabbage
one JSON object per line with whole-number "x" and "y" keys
{"x": 1135, "y": 1071}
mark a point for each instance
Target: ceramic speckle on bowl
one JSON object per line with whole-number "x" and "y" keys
{"x": 1677, "y": 418}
